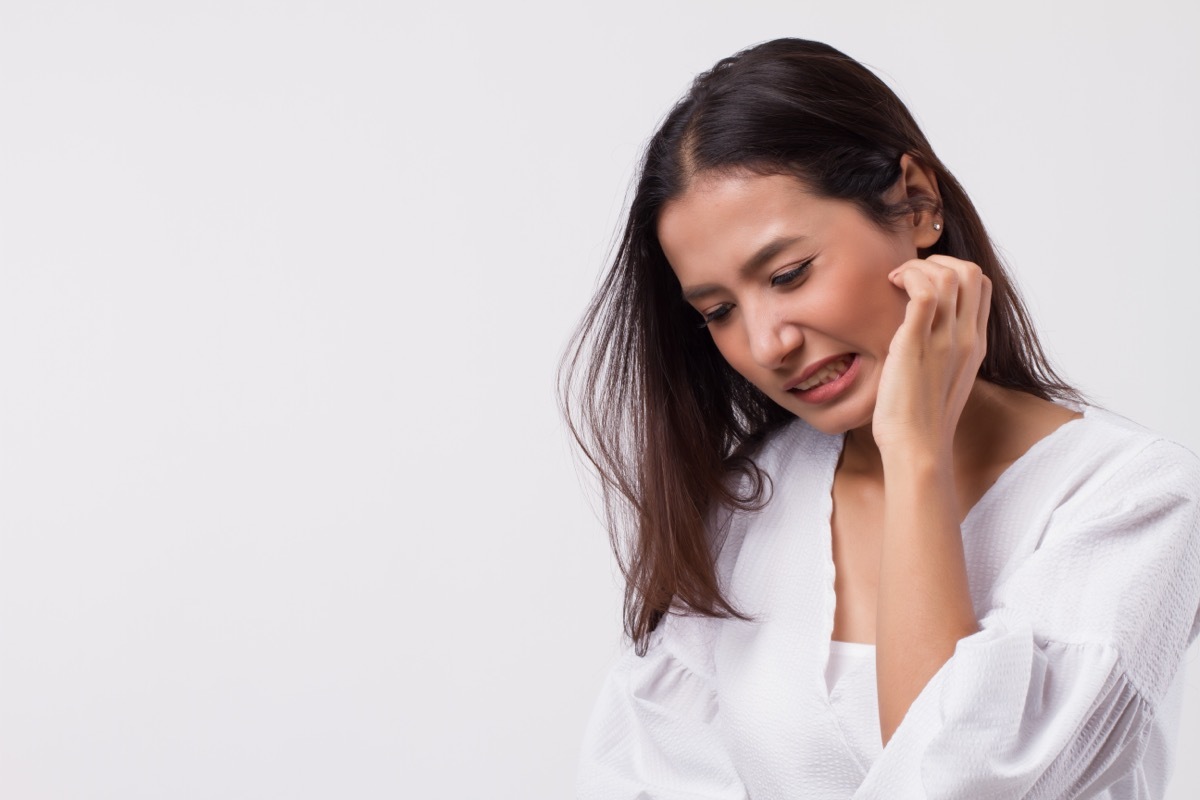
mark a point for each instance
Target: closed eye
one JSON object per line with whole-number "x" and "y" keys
{"x": 716, "y": 315}
{"x": 792, "y": 275}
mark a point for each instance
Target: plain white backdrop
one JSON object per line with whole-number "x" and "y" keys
{"x": 286, "y": 506}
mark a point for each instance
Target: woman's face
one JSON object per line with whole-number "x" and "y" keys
{"x": 788, "y": 280}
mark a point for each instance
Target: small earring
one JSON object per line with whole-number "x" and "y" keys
{"x": 937, "y": 226}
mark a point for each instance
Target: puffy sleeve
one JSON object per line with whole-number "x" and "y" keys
{"x": 653, "y": 734}
{"x": 1056, "y": 695}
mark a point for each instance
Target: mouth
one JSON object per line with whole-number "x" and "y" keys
{"x": 829, "y": 380}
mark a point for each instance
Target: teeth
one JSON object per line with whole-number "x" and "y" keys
{"x": 826, "y": 373}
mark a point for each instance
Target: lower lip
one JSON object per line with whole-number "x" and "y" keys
{"x": 828, "y": 391}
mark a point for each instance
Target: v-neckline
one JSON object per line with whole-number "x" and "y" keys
{"x": 1031, "y": 452}
{"x": 1006, "y": 476}
{"x": 835, "y": 451}
{"x": 839, "y": 443}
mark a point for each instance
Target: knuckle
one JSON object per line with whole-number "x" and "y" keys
{"x": 947, "y": 278}
{"x": 947, "y": 283}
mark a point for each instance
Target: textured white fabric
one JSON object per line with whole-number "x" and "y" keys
{"x": 844, "y": 659}
{"x": 1084, "y": 568}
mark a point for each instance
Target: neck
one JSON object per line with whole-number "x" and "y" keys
{"x": 973, "y": 438}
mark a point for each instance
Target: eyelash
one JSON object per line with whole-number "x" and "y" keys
{"x": 783, "y": 279}
{"x": 789, "y": 277}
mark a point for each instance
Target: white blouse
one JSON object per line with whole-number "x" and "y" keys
{"x": 1083, "y": 561}
{"x": 845, "y": 657}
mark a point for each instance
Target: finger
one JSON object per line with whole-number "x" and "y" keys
{"x": 922, "y": 300}
{"x": 985, "y": 309}
{"x": 975, "y": 293}
{"x": 970, "y": 284}
{"x": 945, "y": 281}
{"x": 939, "y": 258}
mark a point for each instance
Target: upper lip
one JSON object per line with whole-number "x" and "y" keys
{"x": 812, "y": 369}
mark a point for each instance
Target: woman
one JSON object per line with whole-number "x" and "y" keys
{"x": 877, "y": 547}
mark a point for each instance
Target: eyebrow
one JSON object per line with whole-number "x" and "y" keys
{"x": 765, "y": 253}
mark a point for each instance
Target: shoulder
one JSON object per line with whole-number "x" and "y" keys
{"x": 1118, "y": 561}
{"x": 1081, "y": 465}
{"x": 1111, "y": 452}
{"x": 782, "y": 461}
{"x": 791, "y": 447}
{"x": 791, "y": 459}
{"x": 1114, "y": 484}
{"x": 1134, "y": 484}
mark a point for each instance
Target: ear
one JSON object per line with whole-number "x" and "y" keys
{"x": 918, "y": 180}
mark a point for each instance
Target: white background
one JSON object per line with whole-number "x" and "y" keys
{"x": 286, "y": 507}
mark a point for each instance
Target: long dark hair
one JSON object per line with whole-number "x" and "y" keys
{"x": 669, "y": 426}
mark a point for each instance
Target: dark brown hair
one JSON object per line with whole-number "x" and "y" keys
{"x": 669, "y": 426}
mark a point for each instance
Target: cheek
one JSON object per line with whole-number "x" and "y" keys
{"x": 891, "y": 312}
{"x": 882, "y": 307}
{"x": 733, "y": 348}
{"x": 729, "y": 348}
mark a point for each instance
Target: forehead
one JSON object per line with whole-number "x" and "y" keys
{"x": 722, "y": 219}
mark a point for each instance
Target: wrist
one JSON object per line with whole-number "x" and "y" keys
{"x": 915, "y": 479}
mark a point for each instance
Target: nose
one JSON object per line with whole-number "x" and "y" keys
{"x": 772, "y": 339}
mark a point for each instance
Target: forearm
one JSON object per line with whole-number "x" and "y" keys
{"x": 924, "y": 604}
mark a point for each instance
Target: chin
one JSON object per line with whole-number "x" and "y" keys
{"x": 833, "y": 423}
{"x": 830, "y": 429}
